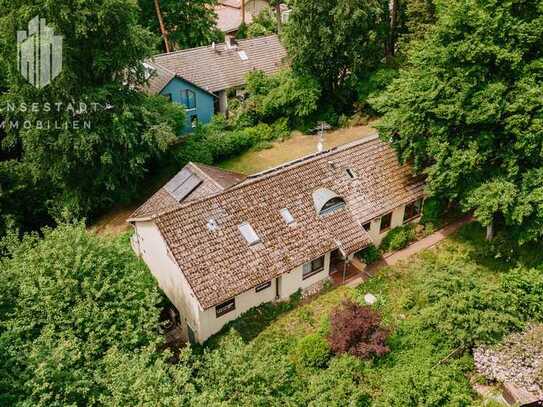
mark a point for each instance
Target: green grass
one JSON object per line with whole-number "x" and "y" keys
{"x": 279, "y": 328}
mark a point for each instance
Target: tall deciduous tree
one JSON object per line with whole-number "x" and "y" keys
{"x": 468, "y": 111}
{"x": 335, "y": 40}
{"x": 68, "y": 300}
{"x": 188, "y": 24}
{"x": 91, "y": 137}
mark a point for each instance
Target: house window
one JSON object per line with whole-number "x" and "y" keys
{"x": 412, "y": 210}
{"x": 194, "y": 121}
{"x": 332, "y": 205}
{"x": 367, "y": 226}
{"x": 313, "y": 267}
{"x": 188, "y": 98}
{"x": 168, "y": 96}
{"x": 225, "y": 307}
{"x": 263, "y": 286}
{"x": 385, "y": 221}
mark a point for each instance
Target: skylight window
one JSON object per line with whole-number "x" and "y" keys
{"x": 351, "y": 173}
{"x": 243, "y": 55}
{"x": 287, "y": 216}
{"x": 249, "y": 233}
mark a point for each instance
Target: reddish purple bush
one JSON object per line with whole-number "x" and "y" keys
{"x": 357, "y": 330}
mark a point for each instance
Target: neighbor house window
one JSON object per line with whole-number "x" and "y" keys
{"x": 412, "y": 210}
{"x": 225, "y": 307}
{"x": 367, "y": 226}
{"x": 263, "y": 286}
{"x": 168, "y": 96}
{"x": 385, "y": 221}
{"x": 188, "y": 98}
{"x": 313, "y": 267}
{"x": 194, "y": 121}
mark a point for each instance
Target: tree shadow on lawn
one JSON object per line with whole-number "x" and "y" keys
{"x": 500, "y": 254}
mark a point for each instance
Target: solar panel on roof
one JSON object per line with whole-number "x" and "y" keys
{"x": 182, "y": 184}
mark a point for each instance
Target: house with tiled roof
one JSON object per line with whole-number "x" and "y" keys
{"x": 231, "y": 14}
{"x": 216, "y": 253}
{"x": 199, "y": 78}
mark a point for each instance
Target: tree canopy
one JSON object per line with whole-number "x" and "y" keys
{"x": 467, "y": 111}
{"x": 91, "y": 137}
{"x": 67, "y": 300}
{"x": 333, "y": 41}
{"x": 188, "y": 23}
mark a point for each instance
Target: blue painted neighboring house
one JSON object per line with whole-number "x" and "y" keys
{"x": 199, "y": 78}
{"x": 199, "y": 103}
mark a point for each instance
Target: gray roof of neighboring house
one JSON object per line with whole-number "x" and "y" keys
{"x": 219, "y": 264}
{"x": 219, "y": 68}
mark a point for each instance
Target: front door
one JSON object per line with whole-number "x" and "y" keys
{"x": 336, "y": 259}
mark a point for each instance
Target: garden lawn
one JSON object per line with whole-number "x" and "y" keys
{"x": 437, "y": 305}
{"x": 295, "y": 147}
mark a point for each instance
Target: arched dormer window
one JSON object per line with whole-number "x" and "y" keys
{"x": 327, "y": 201}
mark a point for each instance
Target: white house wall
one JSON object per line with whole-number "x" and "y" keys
{"x": 289, "y": 283}
{"x": 292, "y": 282}
{"x": 155, "y": 253}
{"x": 205, "y": 323}
{"x": 210, "y": 324}
{"x": 397, "y": 220}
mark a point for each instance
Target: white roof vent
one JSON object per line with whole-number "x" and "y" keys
{"x": 243, "y": 55}
{"x": 212, "y": 225}
{"x": 287, "y": 216}
{"x": 249, "y": 233}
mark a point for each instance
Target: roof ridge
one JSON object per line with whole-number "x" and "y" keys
{"x": 265, "y": 175}
{"x": 186, "y": 50}
{"x": 308, "y": 157}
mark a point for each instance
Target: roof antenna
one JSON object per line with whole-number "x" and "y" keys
{"x": 321, "y": 128}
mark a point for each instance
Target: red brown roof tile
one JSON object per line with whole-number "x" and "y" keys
{"x": 219, "y": 264}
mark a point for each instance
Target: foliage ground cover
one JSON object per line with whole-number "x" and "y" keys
{"x": 94, "y": 341}
{"x": 437, "y": 306}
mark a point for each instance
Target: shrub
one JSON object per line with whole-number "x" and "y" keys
{"x": 433, "y": 211}
{"x": 338, "y": 385}
{"x": 369, "y": 255}
{"x": 398, "y": 238}
{"x": 312, "y": 351}
{"x": 525, "y": 288}
{"x": 357, "y": 330}
{"x": 462, "y": 308}
{"x": 214, "y": 142}
{"x": 420, "y": 381}
{"x": 283, "y": 95}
